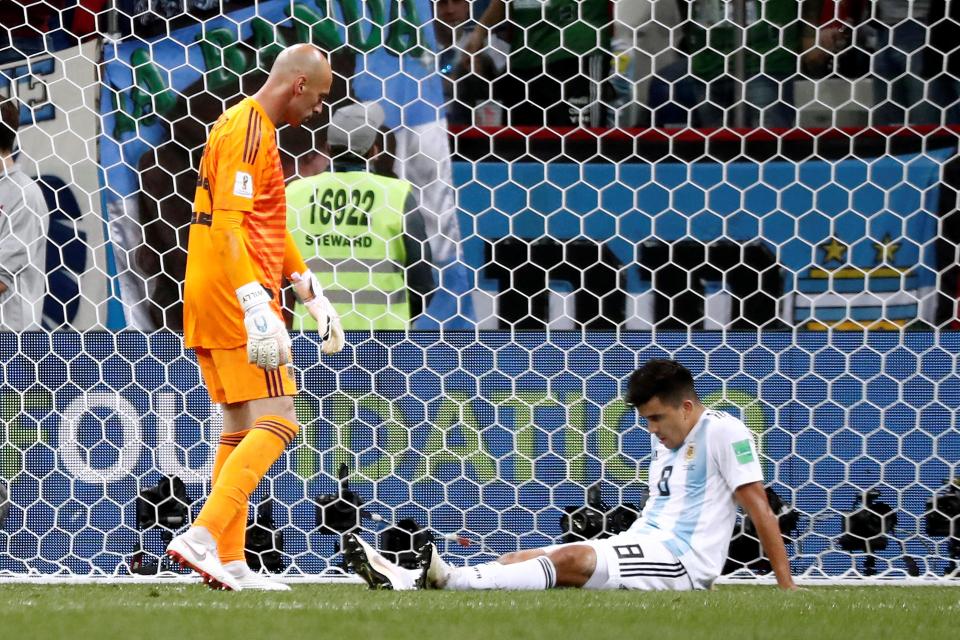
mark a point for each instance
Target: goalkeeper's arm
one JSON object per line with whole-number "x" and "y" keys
{"x": 308, "y": 291}
{"x": 754, "y": 500}
{"x": 226, "y": 233}
{"x": 268, "y": 343}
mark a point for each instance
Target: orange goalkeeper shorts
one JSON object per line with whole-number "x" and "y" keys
{"x": 230, "y": 378}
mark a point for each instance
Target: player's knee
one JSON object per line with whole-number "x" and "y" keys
{"x": 519, "y": 556}
{"x": 290, "y": 415}
{"x": 574, "y": 563}
{"x": 284, "y": 408}
{"x": 281, "y": 407}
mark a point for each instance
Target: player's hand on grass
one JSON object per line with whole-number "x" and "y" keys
{"x": 308, "y": 291}
{"x": 268, "y": 343}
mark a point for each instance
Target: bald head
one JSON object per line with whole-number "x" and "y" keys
{"x": 297, "y": 86}
{"x": 300, "y": 60}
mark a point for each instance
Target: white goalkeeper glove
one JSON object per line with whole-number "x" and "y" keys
{"x": 308, "y": 291}
{"x": 268, "y": 343}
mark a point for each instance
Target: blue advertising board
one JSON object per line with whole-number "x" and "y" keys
{"x": 482, "y": 433}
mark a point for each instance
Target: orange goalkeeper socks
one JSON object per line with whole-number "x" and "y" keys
{"x": 242, "y": 471}
{"x": 231, "y": 543}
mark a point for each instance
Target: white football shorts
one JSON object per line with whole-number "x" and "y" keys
{"x": 629, "y": 561}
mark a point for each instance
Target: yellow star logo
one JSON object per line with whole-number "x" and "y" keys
{"x": 886, "y": 250}
{"x": 834, "y": 250}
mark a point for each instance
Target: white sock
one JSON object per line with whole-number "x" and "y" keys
{"x": 201, "y": 535}
{"x": 536, "y": 574}
{"x": 238, "y": 568}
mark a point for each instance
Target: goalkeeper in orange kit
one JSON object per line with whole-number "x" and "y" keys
{"x": 238, "y": 254}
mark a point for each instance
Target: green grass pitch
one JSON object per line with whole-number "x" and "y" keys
{"x": 348, "y": 612}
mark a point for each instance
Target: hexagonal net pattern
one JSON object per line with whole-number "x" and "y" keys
{"x": 762, "y": 190}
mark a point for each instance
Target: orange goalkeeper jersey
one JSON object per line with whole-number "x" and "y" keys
{"x": 240, "y": 171}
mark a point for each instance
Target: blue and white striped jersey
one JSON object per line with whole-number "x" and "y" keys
{"x": 691, "y": 509}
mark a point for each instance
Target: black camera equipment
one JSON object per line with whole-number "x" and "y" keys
{"x": 745, "y": 549}
{"x": 942, "y": 517}
{"x": 867, "y": 528}
{"x": 401, "y": 541}
{"x": 264, "y": 542}
{"x": 164, "y": 506}
{"x": 340, "y": 513}
{"x": 596, "y": 519}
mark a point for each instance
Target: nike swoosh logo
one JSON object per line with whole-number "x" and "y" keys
{"x": 200, "y": 556}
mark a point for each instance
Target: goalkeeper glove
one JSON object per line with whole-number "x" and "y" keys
{"x": 268, "y": 343}
{"x": 308, "y": 291}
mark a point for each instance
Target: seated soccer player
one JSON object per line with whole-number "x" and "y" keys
{"x": 704, "y": 463}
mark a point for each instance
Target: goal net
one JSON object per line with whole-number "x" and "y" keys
{"x": 764, "y": 191}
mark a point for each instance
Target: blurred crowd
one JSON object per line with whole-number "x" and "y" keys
{"x": 700, "y": 63}
{"x": 28, "y": 27}
{"x": 630, "y": 63}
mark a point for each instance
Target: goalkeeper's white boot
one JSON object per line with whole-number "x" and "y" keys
{"x": 250, "y": 579}
{"x": 196, "y": 549}
{"x": 376, "y": 571}
{"x": 434, "y": 572}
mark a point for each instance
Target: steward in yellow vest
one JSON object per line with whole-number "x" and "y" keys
{"x": 360, "y": 233}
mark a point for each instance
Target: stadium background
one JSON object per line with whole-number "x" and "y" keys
{"x": 476, "y": 428}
